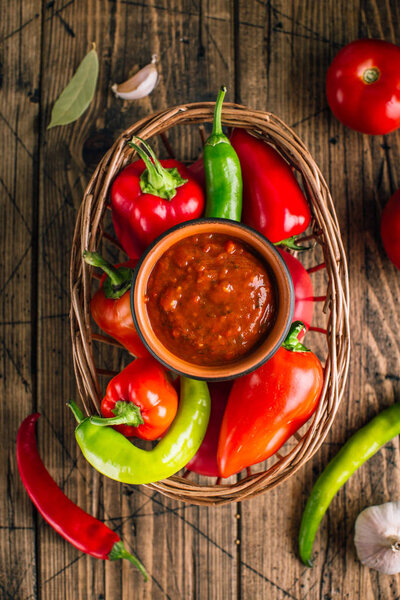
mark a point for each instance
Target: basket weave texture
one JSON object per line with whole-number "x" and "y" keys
{"x": 89, "y": 232}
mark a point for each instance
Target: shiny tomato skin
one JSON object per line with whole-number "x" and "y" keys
{"x": 266, "y": 407}
{"x": 390, "y": 228}
{"x": 372, "y": 108}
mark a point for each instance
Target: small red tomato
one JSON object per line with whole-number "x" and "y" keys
{"x": 363, "y": 86}
{"x": 390, "y": 228}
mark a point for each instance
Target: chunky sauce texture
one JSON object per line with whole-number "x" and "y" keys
{"x": 210, "y": 300}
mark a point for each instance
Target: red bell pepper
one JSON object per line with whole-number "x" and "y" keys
{"x": 390, "y": 228}
{"x": 303, "y": 289}
{"x": 273, "y": 202}
{"x": 111, "y": 305}
{"x": 150, "y": 196}
{"x": 143, "y": 391}
{"x": 205, "y": 461}
{"x": 196, "y": 170}
{"x": 267, "y": 406}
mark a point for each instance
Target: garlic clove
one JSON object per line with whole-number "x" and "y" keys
{"x": 377, "y": 537}
{"x": 140, "y": 85}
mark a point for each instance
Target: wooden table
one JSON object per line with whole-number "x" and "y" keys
{"x": 272, "y": 55}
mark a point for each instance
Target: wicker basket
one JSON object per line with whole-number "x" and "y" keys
{"x": 89, "y": 232}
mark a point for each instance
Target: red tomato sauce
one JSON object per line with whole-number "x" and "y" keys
{"x": 210, "y": 299}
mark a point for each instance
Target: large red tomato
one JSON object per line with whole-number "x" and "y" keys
{"x": 363, "y": 86}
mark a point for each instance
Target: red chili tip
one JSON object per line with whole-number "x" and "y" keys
{"x": 33, "y": 417}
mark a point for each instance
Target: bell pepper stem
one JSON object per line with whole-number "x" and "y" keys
{"x": 126, "y": 413}
{"x": 155, "y": 179}
{"x": 76, "y": 411}
{"x": 119, "y": 551}
{"x": 291, "y": 342}
{"x": 217, "y": 125}
{"x": 292, "y": 244}
{"x": 95, "y": 260}
{"x": 117, "y": 282}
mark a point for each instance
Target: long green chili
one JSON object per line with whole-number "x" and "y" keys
{"x": 222, "y": 171}
{"x": 355, "y": 452}
{"x": 115, "y": 456}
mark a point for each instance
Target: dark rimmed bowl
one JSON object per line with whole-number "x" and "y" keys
{"x": 277, "y": 268}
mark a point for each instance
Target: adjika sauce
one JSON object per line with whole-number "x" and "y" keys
{"x": 210, "y": 300}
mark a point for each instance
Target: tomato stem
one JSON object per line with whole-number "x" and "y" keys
{"x": 371, "y": 75}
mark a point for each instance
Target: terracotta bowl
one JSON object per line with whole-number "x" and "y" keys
{"x": 278, "y": 272}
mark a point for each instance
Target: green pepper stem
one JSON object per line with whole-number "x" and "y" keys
{"x": 119, "y": 551}
{"x": 291, "y": 342}
{"x": 155, "y": 179}
{"x": 126, "y": 413}
{"x": 217, "y": 125}
{"x": 76, "y": 411}
{"x": 117, "y": 282}
{"x": 95, "y": 260}
{"x": 291, "y": 243}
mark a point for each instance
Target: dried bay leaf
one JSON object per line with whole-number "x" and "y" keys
{"x": 78, "y": 94}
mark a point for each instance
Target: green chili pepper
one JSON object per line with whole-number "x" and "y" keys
{"x": 222, "y": 171}
{"x": 356, "y": 451}
{"x": 115, "y": 456}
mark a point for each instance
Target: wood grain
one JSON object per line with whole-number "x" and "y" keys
{"x": 19, "y": 110}
{"x": 272, "y": 55}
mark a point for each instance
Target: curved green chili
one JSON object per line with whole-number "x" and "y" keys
{"x": 222, "y": 171}
{"x": 356, "y": 451}
{"x": 115, "y": 456}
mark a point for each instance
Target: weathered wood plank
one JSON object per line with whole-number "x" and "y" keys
{"x": 282, "y": 50}
{"x": 68, "y": 33}
{"x": 195, "y": 49}
{"x": 19, "y": 110}
{"x": 288, "y": 57}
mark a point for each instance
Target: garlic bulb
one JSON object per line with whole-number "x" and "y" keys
{"x": 140, "y": 85}
{"x": 377, "y": 537}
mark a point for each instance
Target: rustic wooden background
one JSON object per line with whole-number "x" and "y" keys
{"x": 272, "y": 55}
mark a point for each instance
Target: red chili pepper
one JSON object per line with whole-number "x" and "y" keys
{"x": 147, "y": 198}
{"x": 205, "y": 461}
{"x": 363, "y": 86}
{"x": 111, "y": 304}
{"x": 273, "y": 202}
{"x": 267, "y": 406}
{"x": 76, "y": 526}
{"x": 390, "y": 228}
{"x": 196, "y": 170}
{"x": 143, "y": 391}
{"x": 303, "y": 289}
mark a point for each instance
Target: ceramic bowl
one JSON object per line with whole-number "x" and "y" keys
{"x": 278, "y": 272}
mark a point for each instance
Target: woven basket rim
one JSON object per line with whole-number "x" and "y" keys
{"x": 89, "y": 233}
